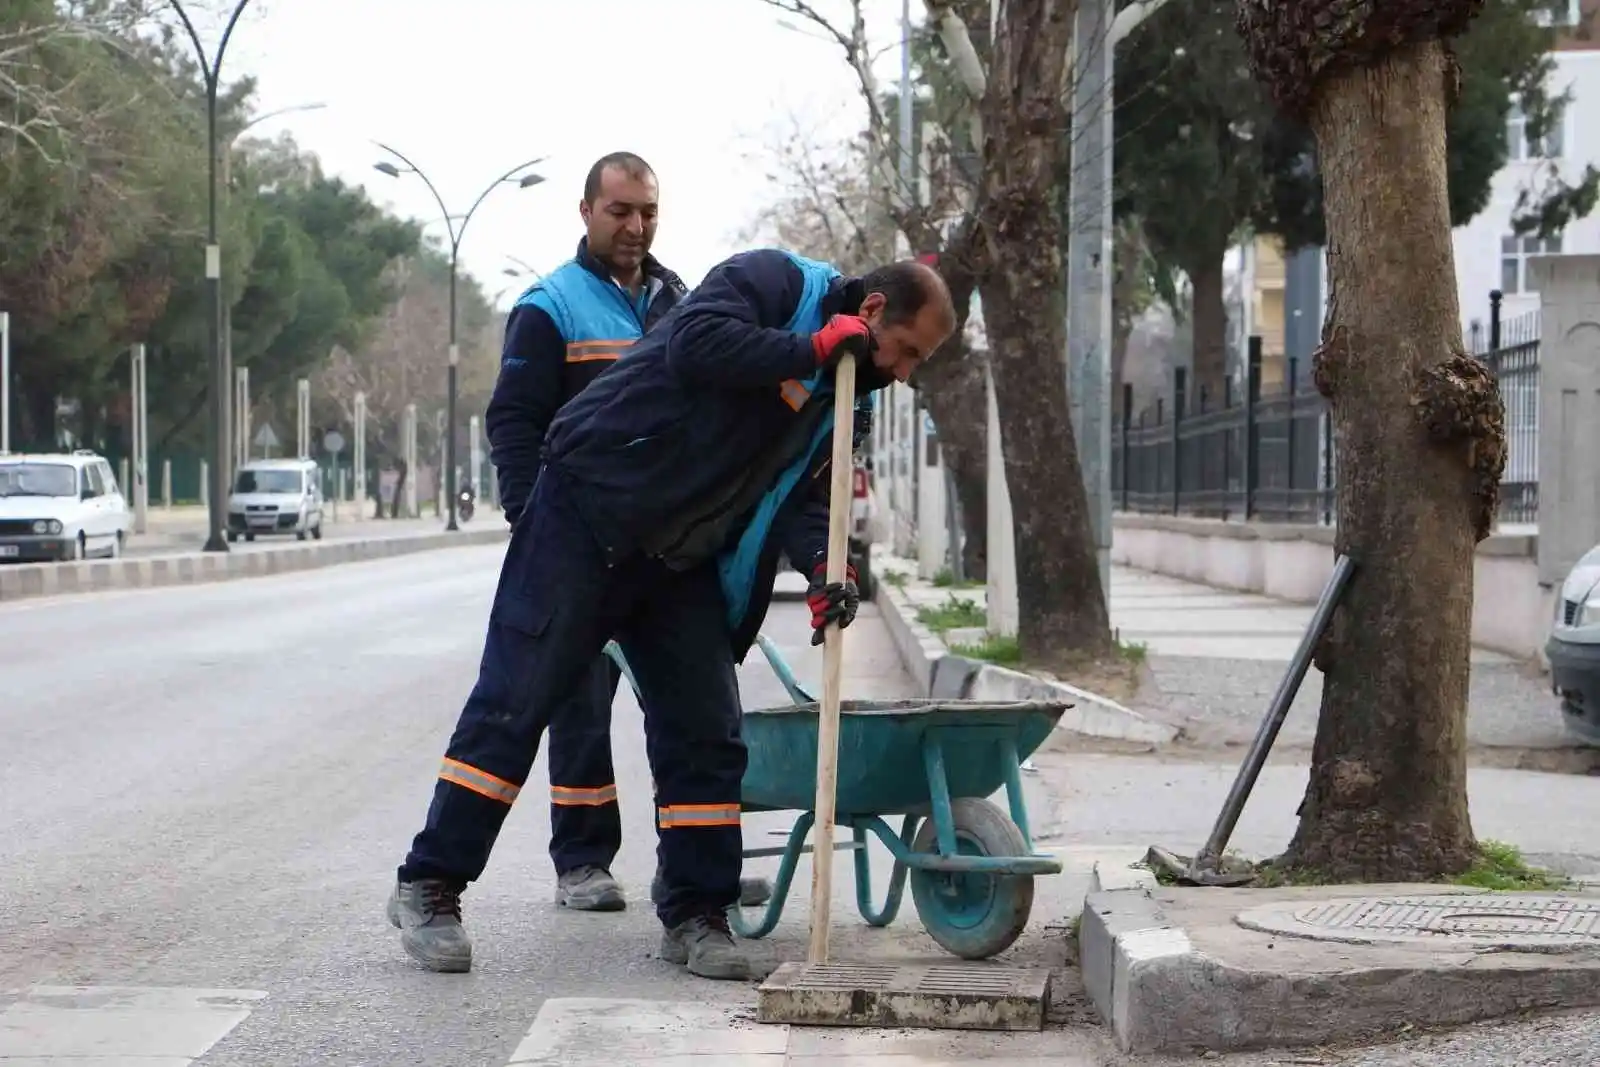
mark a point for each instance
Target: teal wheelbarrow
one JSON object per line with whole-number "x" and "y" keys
{"x": 970, "y": 863}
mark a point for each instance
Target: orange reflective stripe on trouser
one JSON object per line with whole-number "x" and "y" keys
{"x": 577, "y": 797}
{"x": 481, "y": 782}
{"x": 692, "y": 816}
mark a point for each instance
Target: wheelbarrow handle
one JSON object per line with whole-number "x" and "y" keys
{"x": 614, "y": 651}
{"x": 781, "y": 668}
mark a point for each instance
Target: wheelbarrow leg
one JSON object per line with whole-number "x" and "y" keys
{"x": 944, "y": 822}
{"x": 1019, "y": 807}
{"x": 780, "y": 889}
{"x": 897, "y": 880}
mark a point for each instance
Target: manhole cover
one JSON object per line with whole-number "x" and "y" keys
{"x": 1501, "y": 920}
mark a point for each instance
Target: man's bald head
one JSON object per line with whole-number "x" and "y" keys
{"x": 908, "y": 306}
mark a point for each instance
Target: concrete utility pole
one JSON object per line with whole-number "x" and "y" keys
{"x": 1090, "y": 270}
{"x": 140, "y": 412}
{"x": 5, "y": 382}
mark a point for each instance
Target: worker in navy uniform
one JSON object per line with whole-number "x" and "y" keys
{"x": 671, "y": 486}
{"x": 562, "y": 332}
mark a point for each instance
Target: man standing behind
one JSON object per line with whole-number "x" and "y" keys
{"x": 562, "y": 332}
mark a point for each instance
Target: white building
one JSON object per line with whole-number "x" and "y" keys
{"x": 1488, "y": 255}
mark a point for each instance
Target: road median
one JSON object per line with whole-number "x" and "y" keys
{"x": 22, "y": 581}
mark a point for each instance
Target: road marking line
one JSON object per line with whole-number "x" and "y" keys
{"x": 160, "y": 1027}
{"x": 656, "y": 1033}
{"x": 583, "y": 1032}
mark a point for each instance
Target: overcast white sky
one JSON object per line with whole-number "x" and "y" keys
{"x": 469, "y": 88}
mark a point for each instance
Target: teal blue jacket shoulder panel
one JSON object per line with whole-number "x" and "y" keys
{"x": 740, "y": 564}
{"x": 555, "y": 345}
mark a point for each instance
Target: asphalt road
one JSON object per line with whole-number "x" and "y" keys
{"x": 210, "y": 787}
{"x": 204, "y": 791}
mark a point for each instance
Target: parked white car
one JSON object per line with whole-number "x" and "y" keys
{"x": 60, "y": 507}
{"x": 1574, "y": 648}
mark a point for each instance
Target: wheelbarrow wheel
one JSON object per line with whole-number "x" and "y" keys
{"x": 974, "y": 916}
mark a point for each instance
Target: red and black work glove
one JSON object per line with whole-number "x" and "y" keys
{"x": 831, "y": 602}
{"x": 843, "y": 333}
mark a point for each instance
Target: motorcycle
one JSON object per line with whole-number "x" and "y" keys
{"x": 465, "y": 505}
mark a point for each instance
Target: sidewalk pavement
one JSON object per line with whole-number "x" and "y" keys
{"x": 1215, "y": 658}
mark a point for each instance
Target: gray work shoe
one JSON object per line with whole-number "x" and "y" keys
{"x": 589, "y": 889}
{"x": 753, "y": 892}
{"x": 705, "y": 945}
{"x": 427, "y": 913}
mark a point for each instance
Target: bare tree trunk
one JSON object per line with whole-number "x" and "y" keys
{"x": 1210, "y": 329}
{"x": 1061, "y": 609}
{"x": 399, "y": 489}
{"x": 1421, "y": 438}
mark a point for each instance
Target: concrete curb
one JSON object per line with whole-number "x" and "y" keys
{"x": 28, "y": 580}
{"x": 1161, "y": 993}
{"x": 940, "y": 673}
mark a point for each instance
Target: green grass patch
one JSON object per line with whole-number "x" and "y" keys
{"x": 1501, "y": 867}
{"x": 898, "y": 579}
{"x": 1134, "y": 652}
{"x": 956, "y": 613}
{"x": 1003, "y": 651}
{"x": 946, "y": 579}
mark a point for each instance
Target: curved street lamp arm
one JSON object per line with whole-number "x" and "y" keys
{"x": 212, "y": 67}
{"x": 507, "y": 176}
{"x": 200, "y": 49}
{"x": 450, "y": 225}
{"x": 227, "y": 33}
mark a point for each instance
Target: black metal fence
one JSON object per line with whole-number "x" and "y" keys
{"x": 1269, "y": 455}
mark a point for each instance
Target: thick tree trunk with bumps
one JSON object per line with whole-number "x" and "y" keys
{"x": 1419, "y": 427}
{"x": 1061, "y": 609}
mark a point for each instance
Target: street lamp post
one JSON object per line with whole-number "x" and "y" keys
{"x": 211, "y": 69}
{"x": 456, "y": 232}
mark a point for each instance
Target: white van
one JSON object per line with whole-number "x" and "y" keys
{"x": 276, "y": 496}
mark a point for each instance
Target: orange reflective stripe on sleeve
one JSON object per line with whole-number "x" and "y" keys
{"x": 794, "y": 393}
{"x": 481, "y": 782}
{"x": 596, "y": 351}
{"x": 686, "y": 816}
{"x": 575, "y": 797}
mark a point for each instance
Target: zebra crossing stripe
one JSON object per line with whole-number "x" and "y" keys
{"x": 155, "y": 1026}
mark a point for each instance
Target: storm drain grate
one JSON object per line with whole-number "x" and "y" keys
{"x": 1508, "y": 920}
{"x": 978, "y": 997}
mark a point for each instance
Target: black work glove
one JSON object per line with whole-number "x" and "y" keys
{"x": 835, "y": 602}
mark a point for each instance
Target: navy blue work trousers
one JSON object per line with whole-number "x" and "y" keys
{"x": 557, "y": 604}
{"x": 585, "y": 821}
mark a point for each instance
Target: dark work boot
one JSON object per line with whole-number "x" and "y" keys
{"x": 753, "y": 892}
{"x": 427, "y": 913}
{"x": 705, "y": 945}
{"x": 589, "y": 888}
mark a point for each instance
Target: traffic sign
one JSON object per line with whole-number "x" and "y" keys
{"x": 333, "y": 441}
{"x": 265, "y": 437}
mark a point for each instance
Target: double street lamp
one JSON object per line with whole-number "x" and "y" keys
{"x": 514, "y": 176}
{"x": 221, "y": 396}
